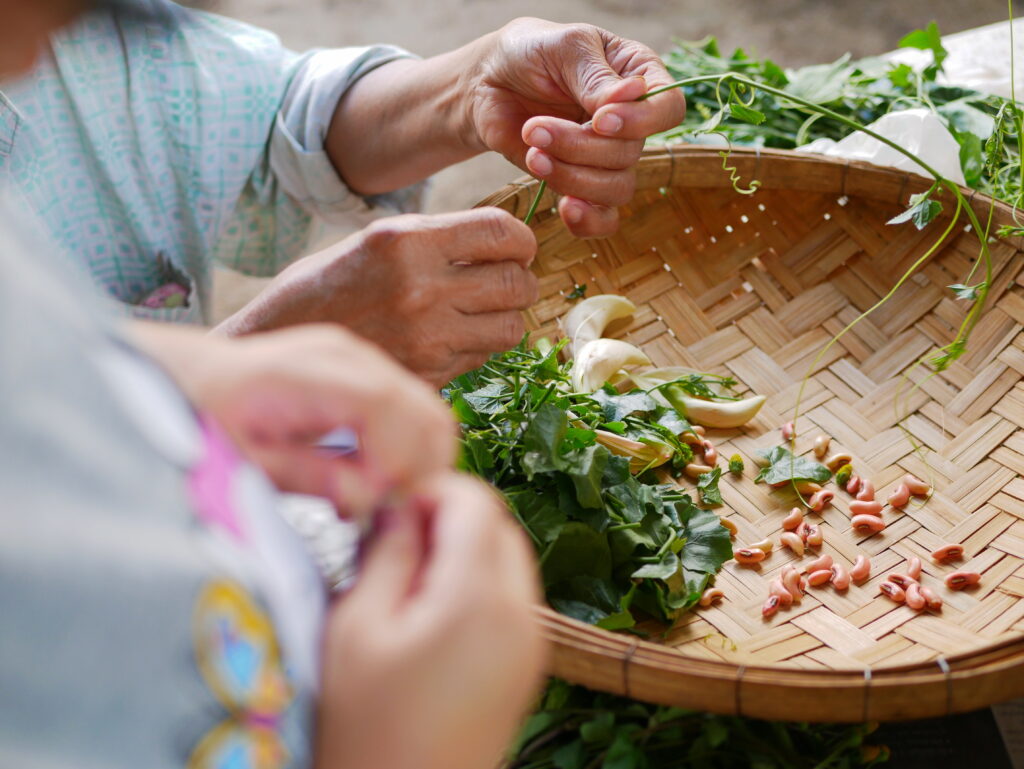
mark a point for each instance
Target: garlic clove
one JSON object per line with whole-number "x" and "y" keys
{"x": 587, "y": 320}
{"x": 599, "y": 360}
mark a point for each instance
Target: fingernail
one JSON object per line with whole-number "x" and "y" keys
{"x": 541, "y": 164}
{"x": 608, "y": 123}
{"x": 541, "y": 138}
{"x": 573, "y": 214}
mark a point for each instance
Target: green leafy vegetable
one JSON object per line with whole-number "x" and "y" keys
{"x": 707, "y": 485}
{"x": 782, "y": 467}
{"x": 922, "y": 211}
{"x": 610, "y": 539}
{"x": 577, "y": 728}
{"x": 578, "y": 291}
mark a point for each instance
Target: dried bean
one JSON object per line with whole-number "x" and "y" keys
{"x": 820, "y": 500}
{"x": 710, "y": 596}
{"x": 853, "y": 485}
{"x": 748, "y": 555}
{"x": 695, "y": 469}
{"x": 788, "y": 431}
{"x": 819, "y": 577}
{"x": 808, "y": 487}
{"x": 837, "y": 460}
{"x": 903, "y": 580}
{"x": 893, "y": 592}
{"x": 710, "y": 453}
{"x": 840, "y": 576}
{"x": 916, "y": 486}
{"x": 958, "y": 580}
{"x": 866, "y": 507}
{"x": 791, "y": 540}
{"x": 791, "y": 581}
{"x": 819, "y": 563}
{"x": 866, "y": 493}
{"x": 915, "y": 600}
{"x": 777, "y": 589}
{"x": 770, "y": 606}
{"x": 900, "y": 496}
{"x": 821, "y": 444}
{"x": 914, "y": 567}
{"x": 861, "y": 569}
{"x": 948, "y": 553}
{"x": 733, "y": 531}
{"x": 864, "y": 524}
{"x": 931, "y": 598}
{"x": 765, "y": 544}
{"x": 794, "y": 519}
{"x": 814, "y": 536}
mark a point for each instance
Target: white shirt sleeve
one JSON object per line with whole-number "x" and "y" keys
{"x": 298, "y": 157}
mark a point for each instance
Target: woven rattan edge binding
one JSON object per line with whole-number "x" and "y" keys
{"x": 948, "y": 674}
{"x": 867, "y": 694}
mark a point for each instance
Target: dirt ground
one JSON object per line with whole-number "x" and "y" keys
{"x": 793, "y": 32}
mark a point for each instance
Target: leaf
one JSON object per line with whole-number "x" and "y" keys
{"x": 586, "y": 468}
{"x": 707, "y": 485}
{"x": 746, "y": 114}
{"x": 579, "y": 551}
{"x": 540, "y": 514}
{"x": 663, "y": 569}
{"x": 922, "y": 211}
{"x": 901, "y": 75}
{"x": 623, "y": 753}
{"x": 972, "y": 157}
{"x": 969, "y": 293}
{"x": 966, "y": 118}
{"x": 542, "y": 439}
{"x": 617, "y": 407}
{"x": 783, "y": 467}
{"x": 928, "y": 39}
{"x": 578, "y": 292}
{"x": 707, "y": 541}
{"x": 822, "y": 83}
{"x": 599, "y": 728}
{"x": 572, "y": 755}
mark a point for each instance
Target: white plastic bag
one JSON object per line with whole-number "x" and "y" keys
{"x": 919, "y": 131}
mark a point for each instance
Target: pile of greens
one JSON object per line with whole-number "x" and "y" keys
{"x": 986, "y": 127}
{"x": 579, "y": 729}
{"x": 611, "y": 536}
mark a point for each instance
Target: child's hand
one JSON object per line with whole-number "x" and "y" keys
{"x": 432, "y": 658}
{"x": 277, "y": 393}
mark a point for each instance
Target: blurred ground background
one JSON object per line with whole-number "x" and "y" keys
{"x": 793, "y": 32}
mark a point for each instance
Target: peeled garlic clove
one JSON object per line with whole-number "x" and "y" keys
{"x": 714, "y": 413}
{"x": 587, "y": 320}
{"x": 642, "y": 455}
{"x": 599, "y": 360}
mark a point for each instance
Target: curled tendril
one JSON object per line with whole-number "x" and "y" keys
{"x": 734, "y": 174}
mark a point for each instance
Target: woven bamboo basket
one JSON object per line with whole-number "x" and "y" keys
{"x": 753, "y": 286}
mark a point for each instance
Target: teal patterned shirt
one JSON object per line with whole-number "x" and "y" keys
{"x": 152, "y": 151}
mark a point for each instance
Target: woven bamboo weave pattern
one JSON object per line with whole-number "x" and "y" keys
{"x": 753, "y": 286}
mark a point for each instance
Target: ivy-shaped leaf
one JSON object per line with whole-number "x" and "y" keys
{"x": 922, "y": 211}
{"x": 707, "y": 485}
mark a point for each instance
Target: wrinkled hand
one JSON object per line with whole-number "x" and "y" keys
{"x": 277, "y": 394}
{"x": 439, "y": 293}
{"x": 432, "y": 658}
{"x": 559, "y": 102}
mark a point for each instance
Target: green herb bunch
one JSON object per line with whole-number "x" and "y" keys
{"x": 861, "y": 91}
{"x": 612, "y": 538}
{"x": 579, "y": 729}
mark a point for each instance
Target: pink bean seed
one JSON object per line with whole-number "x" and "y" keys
{"x": 915, "y": 600}
{"x": 814, "y": 536}
{"x": 948, "y": 553}
{"x": 792, "y": 540}
{"x": 866, "y": 493}
{"x": 916, "y": 486}
{"x": 865, "y": 507}
{"x": 819, "y": 500}
{"x": 893, "y": 592}
{"x": 710, "y": 596}
{"x": 931, "y": 598}
{"x": 788, "y": 431}
{"x": 748, "y": 555}
{"x": 710, "y": 453}
{"x": 903, "y": 580}
{"x": 861, "y": 569}
{"x": 791, "y": 581}
{"x": 821, "y": 444}
{"x": 819, "y": 577}
{"x": 794, "y": 519}
{"x": 914, "y": 567}
{"x": 808, "y": 487}
{"x": 865, "y": 524}
{"x": 770, "y": 606}
{"x": 777, "y": 589}
{"x": 801, "y": 530}
{"x": 853, "y": 485}
{"x": 958, "y": 580}
{"x": 840, "y": 576}
{"x": 819, "y": 563}
{"x": 730, "y": 526}
{"x": 900, "y": 496}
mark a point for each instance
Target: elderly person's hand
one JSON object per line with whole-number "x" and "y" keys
{"x": 560, "y": 101}
{"x": 439, "y": 293}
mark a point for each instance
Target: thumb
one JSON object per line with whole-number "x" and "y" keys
{"x": 393, "y": 562}
{"x": 593, "y": 83}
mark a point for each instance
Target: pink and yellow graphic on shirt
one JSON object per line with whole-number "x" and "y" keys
{"x": 239, "y": 658}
